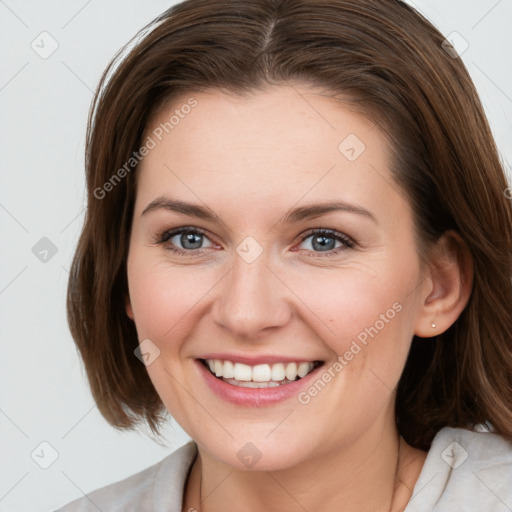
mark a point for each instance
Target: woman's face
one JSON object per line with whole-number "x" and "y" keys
{"x": 243, "y": 275}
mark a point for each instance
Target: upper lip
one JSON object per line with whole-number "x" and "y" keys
{"x": 259, "y": 359}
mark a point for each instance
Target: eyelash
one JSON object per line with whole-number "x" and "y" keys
{"x": 165, "y": 236}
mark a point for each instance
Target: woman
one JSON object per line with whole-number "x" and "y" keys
{"x": 298, "y": 243}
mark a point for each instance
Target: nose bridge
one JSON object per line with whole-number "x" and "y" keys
{"x": 252, "y": 298}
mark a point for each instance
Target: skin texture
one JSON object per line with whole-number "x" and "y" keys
{"x": 250, "y": 159}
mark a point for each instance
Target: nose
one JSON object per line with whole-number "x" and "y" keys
{"x": 252, "y": 300}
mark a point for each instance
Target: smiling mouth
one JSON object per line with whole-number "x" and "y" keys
{"x": 260, "y": 375}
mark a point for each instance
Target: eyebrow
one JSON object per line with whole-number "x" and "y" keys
{"x": 300, "y": 213}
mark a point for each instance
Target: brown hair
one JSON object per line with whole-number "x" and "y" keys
{"x": 391, "y": 64}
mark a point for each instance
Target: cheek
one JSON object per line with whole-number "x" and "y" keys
{"x": 165, "y": 302}
{"x": 351, "y": 305}
{"x": 364, "y": 316}
{"x": 163, "y": 297}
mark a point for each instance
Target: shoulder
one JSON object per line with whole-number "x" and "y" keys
{"x": 465, "y": 470}
{"x": 158, "y": 487}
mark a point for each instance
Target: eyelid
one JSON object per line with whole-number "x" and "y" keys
{"x": 329, "y": 232}
{"x": 165, "y": 235}
{"x": 162, "y": 237}
{"x": 348, "y": 242}
{"x": 170, "y": 233}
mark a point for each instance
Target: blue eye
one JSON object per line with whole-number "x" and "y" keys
{"x": 323, "y": 242}
{"x": 186, "y": 241}
{"x": 191, "y": 240}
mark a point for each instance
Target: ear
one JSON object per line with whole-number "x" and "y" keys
{"x": 128, "y": 306}
{"x": 450, "y": 281}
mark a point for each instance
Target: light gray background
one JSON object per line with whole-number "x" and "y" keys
{"x": 44, "y": 105}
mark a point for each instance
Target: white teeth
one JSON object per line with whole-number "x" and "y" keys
{"x": 228, "y": 371}
{"x": 268, "y": 375}
{"x": 251, "y": 384}
{"x": 291, "y": 371}
{"x": 261, "y": 373}
{"x": 218, "y": 368}
{"x": 278, "y": 372}
{"x": 242, "y": 372}
{"x": 302, "y": 369}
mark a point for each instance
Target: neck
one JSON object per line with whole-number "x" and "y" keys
{"x": 375, "y": 473}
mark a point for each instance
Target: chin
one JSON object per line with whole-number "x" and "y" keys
{"x": 258, "y": 451}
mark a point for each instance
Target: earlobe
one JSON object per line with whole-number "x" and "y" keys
{"x": 128, "y": 306}
{"x": 451, "y": 276}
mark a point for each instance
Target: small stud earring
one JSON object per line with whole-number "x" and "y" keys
{"x": 433, "y": 325}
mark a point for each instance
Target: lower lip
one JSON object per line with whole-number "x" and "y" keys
{"x": 254, "y": 397}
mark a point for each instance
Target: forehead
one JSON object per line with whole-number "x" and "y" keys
{"x": 283, "y": 142}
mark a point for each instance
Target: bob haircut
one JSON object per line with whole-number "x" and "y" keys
{"x": 385, "y": 61}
